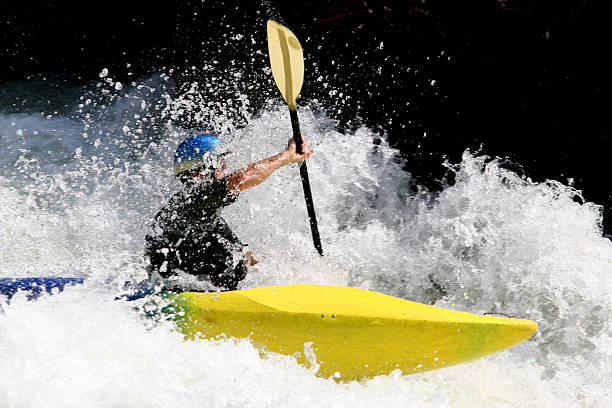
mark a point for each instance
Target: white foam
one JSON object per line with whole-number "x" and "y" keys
{"x": 494, "y": 241}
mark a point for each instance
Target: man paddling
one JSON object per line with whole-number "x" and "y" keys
{"x": 190, "y": 246}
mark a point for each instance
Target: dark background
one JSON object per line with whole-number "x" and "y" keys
{"x": 527, "y": 81}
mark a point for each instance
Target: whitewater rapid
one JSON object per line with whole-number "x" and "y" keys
{"x": 82, "y": 175}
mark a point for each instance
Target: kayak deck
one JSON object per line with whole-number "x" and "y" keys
{"x": 354, "y": 333}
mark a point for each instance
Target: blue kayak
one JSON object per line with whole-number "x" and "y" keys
{"x": 36, "y": 286}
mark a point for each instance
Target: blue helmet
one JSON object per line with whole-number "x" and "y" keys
{"x": 197, "y": 151}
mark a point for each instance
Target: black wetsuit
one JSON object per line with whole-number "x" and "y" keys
{"x": 188, "y": 234}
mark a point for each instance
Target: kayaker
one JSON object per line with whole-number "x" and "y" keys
{"x": 190, "y": 246}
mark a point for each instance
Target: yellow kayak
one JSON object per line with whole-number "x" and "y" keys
{"x": 354, "y": 333}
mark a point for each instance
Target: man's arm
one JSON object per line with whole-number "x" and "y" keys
{"x": 257, "y": 172}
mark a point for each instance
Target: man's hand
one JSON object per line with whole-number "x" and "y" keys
{"x": 293, "y": 156}
{"x": 250, "y": 259}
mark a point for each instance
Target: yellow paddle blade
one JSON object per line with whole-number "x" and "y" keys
{"x": 286, "y": 60}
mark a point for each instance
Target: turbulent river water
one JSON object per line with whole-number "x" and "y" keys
{"x": 83, "y": 170}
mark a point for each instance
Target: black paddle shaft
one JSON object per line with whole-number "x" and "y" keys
{"x": 297, "y": 136}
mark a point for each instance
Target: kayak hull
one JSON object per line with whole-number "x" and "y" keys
{"x": 349, "y": 333}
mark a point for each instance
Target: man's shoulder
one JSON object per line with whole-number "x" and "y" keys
{"x": 216, "y": 193}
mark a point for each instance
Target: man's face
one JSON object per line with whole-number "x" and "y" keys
{"x": 223, "y": 170}
{"x": 204, "y": 174}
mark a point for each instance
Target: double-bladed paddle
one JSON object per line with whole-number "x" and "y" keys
{"x": 287, "y": 63}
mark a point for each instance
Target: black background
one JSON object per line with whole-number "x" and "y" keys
{"x": 522, "y": 80}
